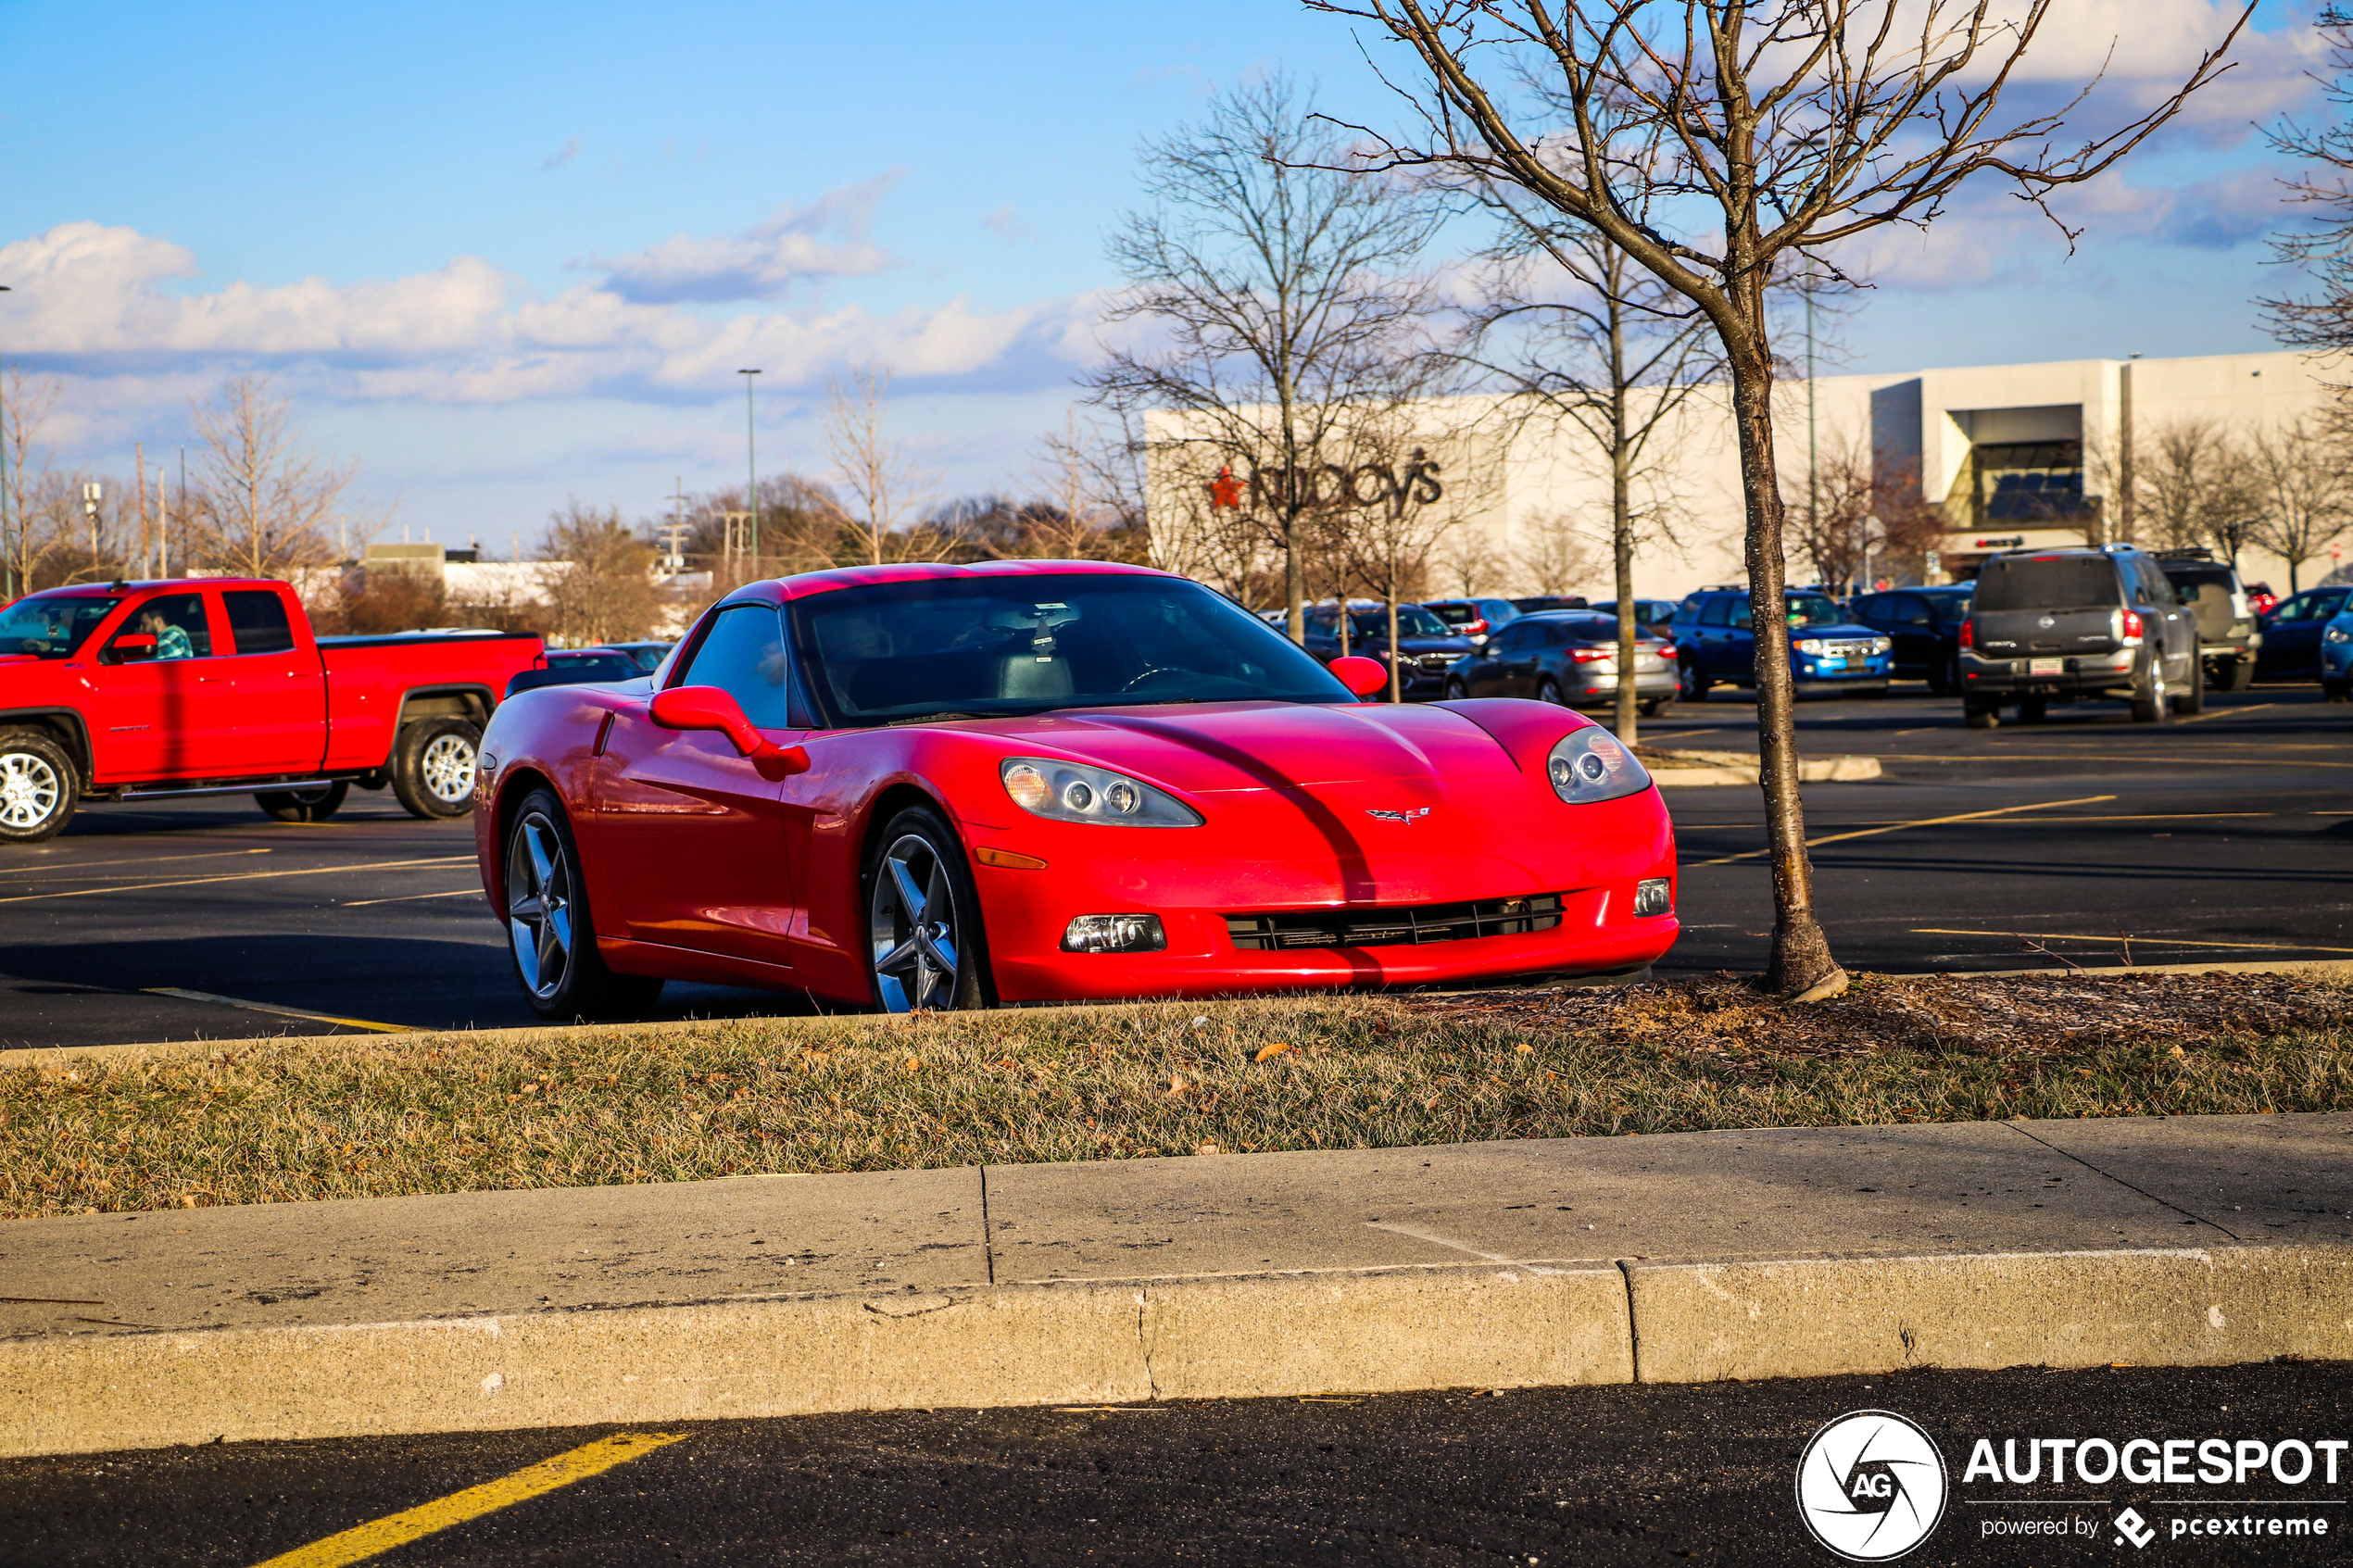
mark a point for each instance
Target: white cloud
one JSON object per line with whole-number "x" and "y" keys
{"x": 110, "y": 303}
{"x": 828, "y": 238}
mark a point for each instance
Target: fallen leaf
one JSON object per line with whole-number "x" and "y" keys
{"x": 1525, "y": 1046}
{"x": 1207, "y": 1148}
{"x": 911, "y": 1064}
{"x": 1269, "y": 1052}
{"x": 1176, "y": 1085}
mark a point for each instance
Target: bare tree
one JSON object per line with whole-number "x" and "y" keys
{"x": 264, "y": 505}
{"x": 1587, "y": 340}
{"x": 1469, "y": 561}
{"x": 2322, "y": 247}
{"x": 885, "y": 483}
{"x": 1861, "y": 508}
{"x": 1279, "y": 287}
{"x": 1788, "y": 128}
{"x": 2303, "y": 501}
{"x": 2194, "y": 484}
{"x": 607, "y": 593}
{"x": 26, "y": 403}
{"x": 1556, "y": 554}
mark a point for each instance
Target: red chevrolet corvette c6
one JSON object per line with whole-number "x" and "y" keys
{"x": 946, "y": 786}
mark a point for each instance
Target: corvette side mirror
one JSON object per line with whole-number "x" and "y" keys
{"x": 711, "y": 707}
{"x": 1363, "y": 677}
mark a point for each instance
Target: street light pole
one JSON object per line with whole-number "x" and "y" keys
{"x": 751, "y": 466}
{"x": 7, "y": 554}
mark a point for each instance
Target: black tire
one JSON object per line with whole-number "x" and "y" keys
{"x": 2238, "y": 675}
{"x": 1457, "y": 692}
{"x": 433, "y": 768}
{"x": 1548, "y": 690}
{"x": 1689, "y": 684}
{"x": 2150, "y": 696}
{"x": 39, "y": 787}
{"x": 313, "y": 805}
{"x": 1652, "y": 706}
{"x": 2034, "y": 710}
{"x": 1981, "y": 715}
{"x": 1945, "y": 674}
{"x": 550, "y": 935}
{"x": 2337, "y": 691}
{"x": 2193, "y": 700}
{"x": 914, "y": 864}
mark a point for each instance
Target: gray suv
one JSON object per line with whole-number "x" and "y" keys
{"x": 2062, "y": 625}
{"x": 2226, "y": 631}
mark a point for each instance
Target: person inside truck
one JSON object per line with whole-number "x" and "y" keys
{"x": 172, "y": 642}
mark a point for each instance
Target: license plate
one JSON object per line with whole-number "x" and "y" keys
{"x": 2046, "y": 667}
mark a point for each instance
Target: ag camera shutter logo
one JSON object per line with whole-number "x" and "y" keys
{"x": 1871, "y": 1485}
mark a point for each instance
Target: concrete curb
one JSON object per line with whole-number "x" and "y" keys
{"x": 1510, "y": 1324}
{"x": 1686, "y": 769}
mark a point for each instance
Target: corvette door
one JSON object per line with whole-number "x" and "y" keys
{"x": 694, "y": 835}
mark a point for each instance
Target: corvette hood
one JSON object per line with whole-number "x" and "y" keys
{"x": 1210, "y": 746}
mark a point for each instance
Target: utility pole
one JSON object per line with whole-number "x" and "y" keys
{"x": 139, "y": 489}
{"x": 183, "y": 507}
{"x": 678, "y": 526}
{"x": 751, "y": 466}
{"x": 92, "y": 493}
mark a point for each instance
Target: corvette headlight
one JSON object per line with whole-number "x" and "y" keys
{"x": 1588, "y": 765}
{"x": 1069, "y": 792}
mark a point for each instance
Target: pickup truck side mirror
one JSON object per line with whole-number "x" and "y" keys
{"x": 711, "y": 707}
{"x": 1363, "y": 677}
{"x": 131, "y": 645}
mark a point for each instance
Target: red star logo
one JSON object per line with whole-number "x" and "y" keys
{"x": 1225, "y": 490}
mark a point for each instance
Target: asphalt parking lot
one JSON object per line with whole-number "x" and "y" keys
{"x": 1622, "y": 1474}
{"x": 2224, "y": 837}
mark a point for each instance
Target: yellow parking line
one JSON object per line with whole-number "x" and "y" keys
{"x": 2152, "y": 941}
{"x": 372, "y": 1539}
{"x": 1923, "y": 822}
{"x": 282, "y": 1012}
{"x": 412, "y": 897}
{"x": 62, "y": 873}
{"x": 2226, "y": 712}
{"x": 243, "y": 876}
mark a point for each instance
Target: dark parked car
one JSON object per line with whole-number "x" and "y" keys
{"x": 1714, "y": 644}
{"x": 1425, "y": 646}
{"x": 1925, "y": 625}
{"x": 1542, "y": 602}
{"x": 2292, "y": 634}
{"x": 576, "y": 667}
{"x": 2227, "y": 636}
{"x": 647, "y": 657}
{"x": 2064, "y": 625}
{"x": 1476, "y": 619}
{"x": 1566, "y": 657}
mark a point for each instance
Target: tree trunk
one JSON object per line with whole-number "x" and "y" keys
{"x": 1801, "y": 961}
{"x": 1396, "y": 671}
{"x": 1622, "y": 557}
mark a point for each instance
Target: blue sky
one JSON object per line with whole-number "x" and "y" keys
{"x": 499, "y": 254}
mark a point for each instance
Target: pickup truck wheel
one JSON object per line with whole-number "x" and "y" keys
{"x": 2193, "y": 700}
{"x": 38, "y": 787}
{"x": 313, "y": 805}
{"x": 433, "y": 768}
{"x": 549, "y": 933}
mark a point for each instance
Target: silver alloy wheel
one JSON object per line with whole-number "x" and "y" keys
{"x": 540, "y": 905}
{"x": 448, "y": 768}
{"x": 911, "y": 922}
{"x": 29, "y": 790}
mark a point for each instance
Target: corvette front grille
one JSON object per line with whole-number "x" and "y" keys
{"x": 1394, "y": 925}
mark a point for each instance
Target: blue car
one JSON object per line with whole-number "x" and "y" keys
{"x": 2337, "y": 658}
{"x": 1715, "y": 644}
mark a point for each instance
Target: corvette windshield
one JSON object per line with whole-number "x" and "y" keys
{"x": 978, "y": 648}
{"x": 52, "y": 625}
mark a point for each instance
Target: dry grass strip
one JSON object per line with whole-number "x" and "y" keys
{"x": 358, "y": 1117}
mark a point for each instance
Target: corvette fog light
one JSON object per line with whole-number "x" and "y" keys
{"x": 1114, "y": 934}
{"x": 1653, "y": 897}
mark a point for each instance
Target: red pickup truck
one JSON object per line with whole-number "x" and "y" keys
{"x": 127, "y": 691}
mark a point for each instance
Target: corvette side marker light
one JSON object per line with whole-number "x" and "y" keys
{"x": 1008, "y": 858}
{"x": 1114, "y": 934}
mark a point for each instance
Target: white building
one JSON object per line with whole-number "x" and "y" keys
{"x": 2009, "y": 453}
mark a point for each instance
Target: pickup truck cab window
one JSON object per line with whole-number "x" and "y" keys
{"x": 176, "y": 622}
{"x": 53, "y": 626}
{"x": 257, "y": 620}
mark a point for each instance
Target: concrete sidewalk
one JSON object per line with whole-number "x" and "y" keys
{"x": 1691, "y": 1256}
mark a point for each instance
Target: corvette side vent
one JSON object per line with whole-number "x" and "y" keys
{"x": 1394, "y": 925}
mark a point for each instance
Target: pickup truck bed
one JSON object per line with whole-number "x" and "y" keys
{"x": 129, "y": 690}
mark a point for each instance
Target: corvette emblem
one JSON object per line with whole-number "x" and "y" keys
{"x": 1411, "y": 814}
